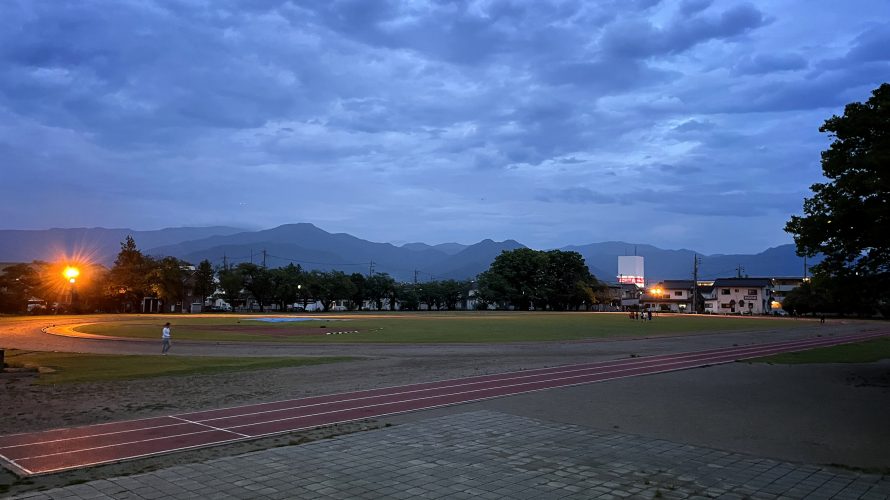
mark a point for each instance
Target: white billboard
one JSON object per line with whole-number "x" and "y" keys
{"x": 630, "y": 270}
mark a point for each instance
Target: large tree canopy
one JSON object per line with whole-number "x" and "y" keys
{"x": 527, "y": 278}
{"x": 847, "y": 218}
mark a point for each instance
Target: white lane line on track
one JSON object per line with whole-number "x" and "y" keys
{"x": 15, "y": 465}
{"x": 497, "y": 377}
{"x": 531, "y": 371}
{"x": 846, "y": 340}
{"x": 348, "y": 409}
{"x": 66, "y": 452}
{"x": 91, "y": 436}
{"x": 90, "y": 426}
{"x": 211, "y": 427}
{"x": 721, "y": 358}
{"x": 511, "y": 376}
{"x": 515, "y": 376}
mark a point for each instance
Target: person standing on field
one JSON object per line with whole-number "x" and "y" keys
{"x": 165, "y": 339}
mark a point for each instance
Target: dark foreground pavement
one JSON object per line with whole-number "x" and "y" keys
{"x": 487, "y": 454}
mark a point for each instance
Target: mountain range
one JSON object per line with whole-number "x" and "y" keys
{"x": 314, "y": 248}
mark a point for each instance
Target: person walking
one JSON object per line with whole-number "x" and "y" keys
{"x": 165, "y": 339}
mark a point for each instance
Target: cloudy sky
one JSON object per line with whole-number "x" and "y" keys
{"x": 684, "y": 124}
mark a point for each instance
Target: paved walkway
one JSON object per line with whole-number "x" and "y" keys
{"x": 486, "y": 454}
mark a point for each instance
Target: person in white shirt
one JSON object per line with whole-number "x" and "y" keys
{"x": 165, "y": 339}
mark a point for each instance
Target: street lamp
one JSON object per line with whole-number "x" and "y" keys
{"x": 71, "y": 273}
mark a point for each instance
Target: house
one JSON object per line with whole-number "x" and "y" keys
{"x": 624, "y": 296}
{"x": 740, "y": 296}
{"x": 670, "y": 296}
{"x": 781, "y": 286}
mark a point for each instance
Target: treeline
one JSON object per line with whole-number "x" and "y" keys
{"x": 521, "y": 279}
{"x": 862, "y": 296}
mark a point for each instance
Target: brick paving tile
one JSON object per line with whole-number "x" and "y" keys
{"x": 486, "y": 455}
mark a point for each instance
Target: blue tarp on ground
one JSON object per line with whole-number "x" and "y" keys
{"x": 291, "y": 320}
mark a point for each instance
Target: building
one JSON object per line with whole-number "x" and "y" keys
{"x": 670, "y": 296}
{"x": 781, "y": 286}
{"x": 630, "y": 270}
{"x": 740, "y": 296}
{"x": 624, "y": 296}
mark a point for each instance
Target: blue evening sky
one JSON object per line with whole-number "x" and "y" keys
{"x": 676, "y": 123}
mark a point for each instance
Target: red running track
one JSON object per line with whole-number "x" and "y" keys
{"x": 64, "y": 449}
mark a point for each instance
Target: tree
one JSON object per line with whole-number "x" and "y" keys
{"x": 204, "y": 284}
{"x": 515, "y": 277}
{"x": 258, "y": 282}
{"x": 167, "y": 280}
{"x": 286, "y": 285}
{"x": 452, "y": 291}
{"x": 847, "y": 217}
{"x": 544, "y": 280}
{"x": 429, "y": 293}
{"x": 568, "y": 282}
{"x": 804, "y": 299}
{"x": 334, "y": 286}
{"x": 378, "y": 287}
{"x": 128, "y": 282}
{"x": 358, "y": 297}
{"x": 17, "y": 284}
{"x": 231, "y": 282}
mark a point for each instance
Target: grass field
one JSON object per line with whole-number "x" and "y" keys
{"x": 73, "y": 367}
{"x": 862, "y": 352}
{"x": 463, "y": 327}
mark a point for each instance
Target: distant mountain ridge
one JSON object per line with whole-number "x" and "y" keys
{"x": 314, "y": 248}
{"x": 98, "y": 243}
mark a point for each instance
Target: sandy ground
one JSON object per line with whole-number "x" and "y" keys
{"x": 826, "y": 414}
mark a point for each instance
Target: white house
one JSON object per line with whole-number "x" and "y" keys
{"x": 669, "y": 296}
{"x": 740, "y": 296}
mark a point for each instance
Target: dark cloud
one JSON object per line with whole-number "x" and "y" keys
{"x": 639, "y": 38}
{"x": 579, "y": 195}
{"x": 606, "y": 76}
{"x": 689, "y": 7}
{"x": 871, "y": 45}
{"x": 770, "y": 63}
{"x": 681, "y": 170}
{"x": 702, "y": 108}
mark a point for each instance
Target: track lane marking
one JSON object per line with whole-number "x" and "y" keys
{"x": 717, "y": 358}
{"x": 714, "y": 359}
{"x": 511, "y": 376}
{"x": 210, "y": 426}
{"x": 531, "y": 371}
{"x": 505, "y": 377}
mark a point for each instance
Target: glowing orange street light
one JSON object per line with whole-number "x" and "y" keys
{"x": 71, "y": 273}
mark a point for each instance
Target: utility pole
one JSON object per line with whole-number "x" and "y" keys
{"x": 415, "y": 278}
{"x": 371, "y": 269}
{"x": 225, "y": 262}
{"x": 804, "y": 267}
{"x": 264, "y": 258}
{"x": 739, "y": 271}
{"x": 695, "y": 262}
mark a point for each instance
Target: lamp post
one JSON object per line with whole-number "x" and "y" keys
{"x": 71, "y": 274}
